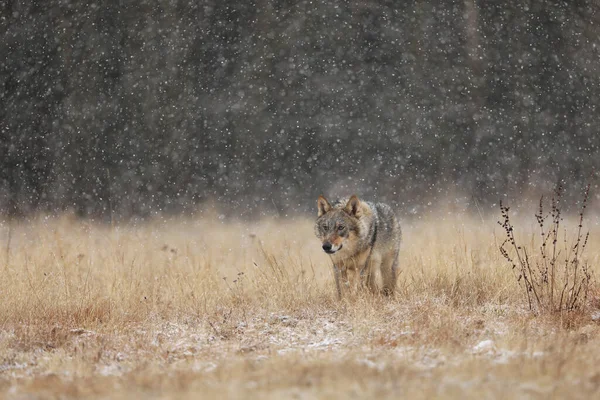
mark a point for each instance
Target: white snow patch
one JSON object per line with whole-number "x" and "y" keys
{"x": 110, "y": 370}
{"x": 484, "y": 347}
{"x": 202, "y": 366}
{"x": 379, "y": 366}
{"x": 287, "y": 350}
{"x": 327, "y": 342}
{"x": 504, "y": 356}
{"x": 8, "y": 367}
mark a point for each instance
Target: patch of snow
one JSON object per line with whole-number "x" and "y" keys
{"x": 533, "y": 388}
{"x": 505, "y": 356}
{"x": 200, "y": 366}
{"x": 380, "y": 366}
{"x": 82, "y": 332}
{"x": 110, "y": 370}
{"x": 286, "y": 350}
{"x": 8, "y": 367}
{"x": 327, "y": 342}
{"x": 485, "y": 346}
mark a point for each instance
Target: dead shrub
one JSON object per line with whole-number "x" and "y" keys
{"x": 553, "y": 273}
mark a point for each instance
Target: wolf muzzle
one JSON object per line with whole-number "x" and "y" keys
{"x": 329, "y": 248}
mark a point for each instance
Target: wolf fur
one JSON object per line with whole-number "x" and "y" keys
{"x": 362, "y": 237}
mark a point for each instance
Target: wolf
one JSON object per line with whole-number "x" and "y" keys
{"x": 362, "y": 237}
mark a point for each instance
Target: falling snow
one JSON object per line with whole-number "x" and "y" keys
{"x": 137, "y": 108}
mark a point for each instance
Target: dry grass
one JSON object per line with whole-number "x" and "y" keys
{"x": 171, "y": 309}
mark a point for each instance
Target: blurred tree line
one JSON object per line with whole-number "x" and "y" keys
{"x": 134, "y": 107}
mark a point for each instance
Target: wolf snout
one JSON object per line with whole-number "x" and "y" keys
{"x": 330, "y": 248}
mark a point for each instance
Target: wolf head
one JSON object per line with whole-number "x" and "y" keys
{"x": 337, "y": 225}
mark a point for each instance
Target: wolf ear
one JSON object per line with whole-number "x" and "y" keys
{"x": 323, "y": 205}
{"x": 353, "y": 206}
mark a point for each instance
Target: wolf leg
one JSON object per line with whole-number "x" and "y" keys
{"x": 389, "y": 274}
{"x": 366, "y": 271}
{"x": 369, "y": 273}
{"x": 364, "y": 276}
{"x": 336, "y": 274}
{"x": 372, "y": 276}
{"x": 344, "y": 276}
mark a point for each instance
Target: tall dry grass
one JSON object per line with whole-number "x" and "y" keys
{"x": 231, "y": 309}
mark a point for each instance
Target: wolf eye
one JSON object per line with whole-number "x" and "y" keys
{"x": 340, "y": 228}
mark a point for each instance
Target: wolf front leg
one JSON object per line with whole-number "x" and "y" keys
{"x": 364, "y": 276}
{"x": 368, "y": 272}
{"x": 389, "y": 272}
{"x": 367, "y": 267}
{"x": 336, "y": 274}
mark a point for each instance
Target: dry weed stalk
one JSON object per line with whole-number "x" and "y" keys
{"x": 555, "y": 278}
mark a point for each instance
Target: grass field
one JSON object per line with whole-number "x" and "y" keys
{"x": 182, "y": 307}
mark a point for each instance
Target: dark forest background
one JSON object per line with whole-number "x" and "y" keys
{"x": 135, "y": 107}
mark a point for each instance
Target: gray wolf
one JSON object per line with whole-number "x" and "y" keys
{"x": 362, "y": 237}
